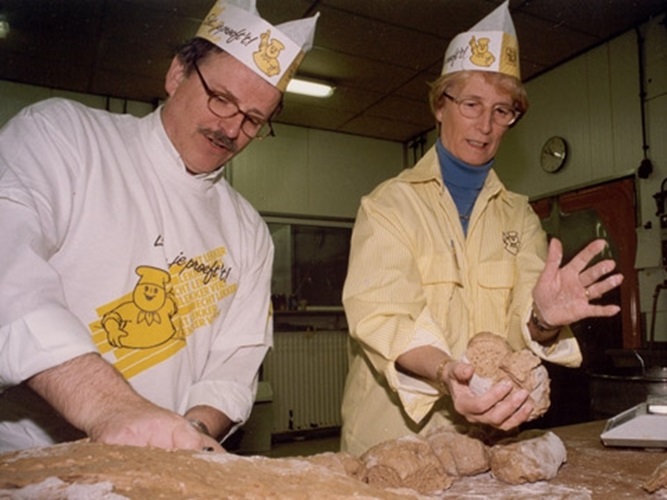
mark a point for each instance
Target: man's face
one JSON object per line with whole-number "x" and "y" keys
{"x": 204, "y": 141}
{"x": 473, "y": 140}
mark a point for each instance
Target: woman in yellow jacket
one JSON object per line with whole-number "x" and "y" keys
{"x": 442, "y": 252}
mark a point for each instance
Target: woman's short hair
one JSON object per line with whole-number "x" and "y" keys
{"x": 507, "y": 83}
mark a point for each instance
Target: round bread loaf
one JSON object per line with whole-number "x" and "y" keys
{"x": 459, "y": 454}
{"x": 532, "y": 456}
{"x": 494, "y": 360}
{"x": 407, "y": 462}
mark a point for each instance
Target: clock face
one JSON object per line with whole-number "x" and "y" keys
{"x": 554, "y": 154}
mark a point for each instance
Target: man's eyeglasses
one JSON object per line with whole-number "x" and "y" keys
{"x": 473, "y": 108}
{"x": 223, "y": 106}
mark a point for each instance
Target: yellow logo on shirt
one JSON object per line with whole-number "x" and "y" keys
{"x": 151, "y": 323}
{"x": 512, "y": 242}
{"x": 145, "y": 320}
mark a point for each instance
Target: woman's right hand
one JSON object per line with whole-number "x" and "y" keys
{"x": 502, "y": 406}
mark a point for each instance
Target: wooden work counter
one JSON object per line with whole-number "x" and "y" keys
{"x": 593, "y": 471}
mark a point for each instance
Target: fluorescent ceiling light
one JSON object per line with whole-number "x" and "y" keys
{"x": 313, "y": 89}
{"x": 4, "y": 26}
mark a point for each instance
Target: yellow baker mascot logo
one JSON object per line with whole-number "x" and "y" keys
{"x": 266, "y": 57}
{"x": 146, "y": 320}
{"x": 481, "y": 56}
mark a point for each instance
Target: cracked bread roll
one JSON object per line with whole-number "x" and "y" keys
{"x": 406, "y": 462}
{"x": 494, "y": 360}
{"x": 531, "y": 456}
{"x": 459, "y": 454}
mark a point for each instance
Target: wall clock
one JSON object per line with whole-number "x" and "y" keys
{"x": 553, "y": 154}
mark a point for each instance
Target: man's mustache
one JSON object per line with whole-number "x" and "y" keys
{"x": 221, "y": 138}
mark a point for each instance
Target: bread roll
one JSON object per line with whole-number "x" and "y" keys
{"x": 494, "y": 360}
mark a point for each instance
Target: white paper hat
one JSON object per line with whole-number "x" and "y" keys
{"x": 490, "y": 45}
{"x": 273, "y": 52}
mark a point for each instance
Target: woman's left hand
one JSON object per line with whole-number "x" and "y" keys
{"x": 562, "y": 295}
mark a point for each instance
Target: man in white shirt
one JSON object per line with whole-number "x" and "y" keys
{"x": 135, "y": 285}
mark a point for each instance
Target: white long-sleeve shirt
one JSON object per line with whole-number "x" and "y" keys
{"x": 109, "y": 245}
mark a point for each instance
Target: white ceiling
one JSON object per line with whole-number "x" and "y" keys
{"x": 379, "y": 54}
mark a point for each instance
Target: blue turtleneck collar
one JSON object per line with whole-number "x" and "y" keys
{"x": 463, "y": 181}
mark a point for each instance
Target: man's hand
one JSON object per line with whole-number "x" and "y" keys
{"x": 148, "y": 425}
{"x": 94, "y": 397}
{"x": 562, "y": 294}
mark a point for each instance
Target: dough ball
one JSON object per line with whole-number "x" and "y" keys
{"x": 657, "y": 480}
{"x": 485, "y": 352}
{"x": 459, "y": 454}
{"x": 532, "y": 456}
{"x": 407, "y": 462}
{"x": 494, "y": 361}
{"x": 340, "y": 462}
{"x": 527, "y": 372}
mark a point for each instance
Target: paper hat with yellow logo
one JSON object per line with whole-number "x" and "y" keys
{"x": 273, "y": 52}
{"x": 490, "y": 45}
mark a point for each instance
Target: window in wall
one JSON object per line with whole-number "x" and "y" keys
{"x": 310, "y": 262}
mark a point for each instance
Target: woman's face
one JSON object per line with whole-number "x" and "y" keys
{"x": 472, "y": 140}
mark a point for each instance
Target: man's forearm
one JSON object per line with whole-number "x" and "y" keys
{"x": 84, "y": 390}
{"x": 94, "y": 397}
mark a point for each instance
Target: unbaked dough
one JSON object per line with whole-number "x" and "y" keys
{"x": 96, "y": 471}
{"x": 341, "y": 461}
{"x": 459, "y": 454}
{"x": 407, "y": 462}
{"x": 531, "y": 456}
{"x": 406, "y": 467}
{"x": 494, "y": 360}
